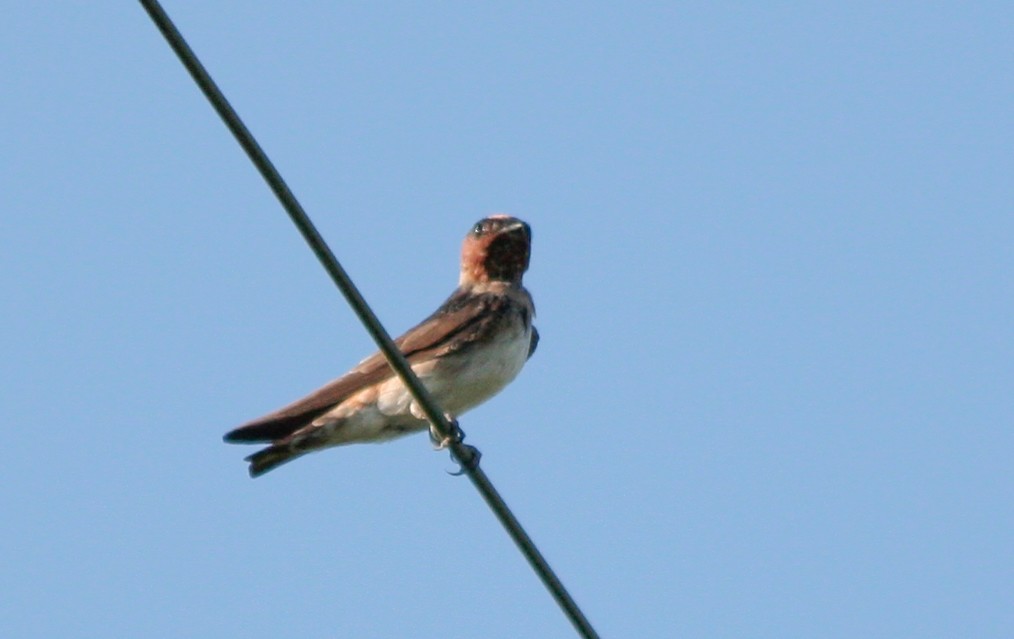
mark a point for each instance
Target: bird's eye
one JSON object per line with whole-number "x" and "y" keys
{"x": 479, "y": 228}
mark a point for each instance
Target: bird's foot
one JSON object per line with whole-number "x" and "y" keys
{"x": 470, "y": 455}
{"x": 456, "y": 436}
{"x": 470, "y": 460}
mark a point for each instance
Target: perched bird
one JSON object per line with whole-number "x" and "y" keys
{"x": 464, "y": 353}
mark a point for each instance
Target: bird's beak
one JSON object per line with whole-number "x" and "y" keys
{"x": 518, "y": 225}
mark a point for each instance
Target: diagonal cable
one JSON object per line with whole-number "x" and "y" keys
{"x": 467, "y": 456}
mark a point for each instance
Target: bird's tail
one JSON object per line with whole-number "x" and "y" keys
{"x": 271, "y": 457}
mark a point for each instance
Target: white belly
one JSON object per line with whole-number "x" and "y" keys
{"x": 460, "y": 382}
{"x": 484, "y": 372}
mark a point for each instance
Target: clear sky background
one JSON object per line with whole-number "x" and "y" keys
{"x": 775, "y": 286}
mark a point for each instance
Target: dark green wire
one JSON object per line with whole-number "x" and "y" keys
{"x": 466, "y": 455}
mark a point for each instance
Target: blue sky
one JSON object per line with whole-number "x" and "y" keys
{"x": 773, "y": 271}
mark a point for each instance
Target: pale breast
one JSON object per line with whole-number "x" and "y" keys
{"x": 471, "y": 378}
{"x": 476, "y": 363}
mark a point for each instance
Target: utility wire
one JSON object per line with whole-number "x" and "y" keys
{"x": 467, "y": 456}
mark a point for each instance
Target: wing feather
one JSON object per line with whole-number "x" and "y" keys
{"x": 461, "y": 313}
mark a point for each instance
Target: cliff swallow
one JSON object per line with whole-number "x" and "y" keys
{"x": 464, "y": 353}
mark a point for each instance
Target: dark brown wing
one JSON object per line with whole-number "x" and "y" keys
{"x": 459, "y": 315}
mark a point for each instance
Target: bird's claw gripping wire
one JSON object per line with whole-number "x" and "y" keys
{"x": 456, "y": 436}
{"x": 471, "y": 463}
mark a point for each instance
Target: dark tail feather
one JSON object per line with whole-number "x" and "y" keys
{"x": 270, "y": 458}
{"x": 267, "y": 429}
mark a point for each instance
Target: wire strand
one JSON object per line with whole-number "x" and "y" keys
{"x": 467, "y": 456}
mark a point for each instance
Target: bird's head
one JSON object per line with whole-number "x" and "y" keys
{"x": 496, "y": 249}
